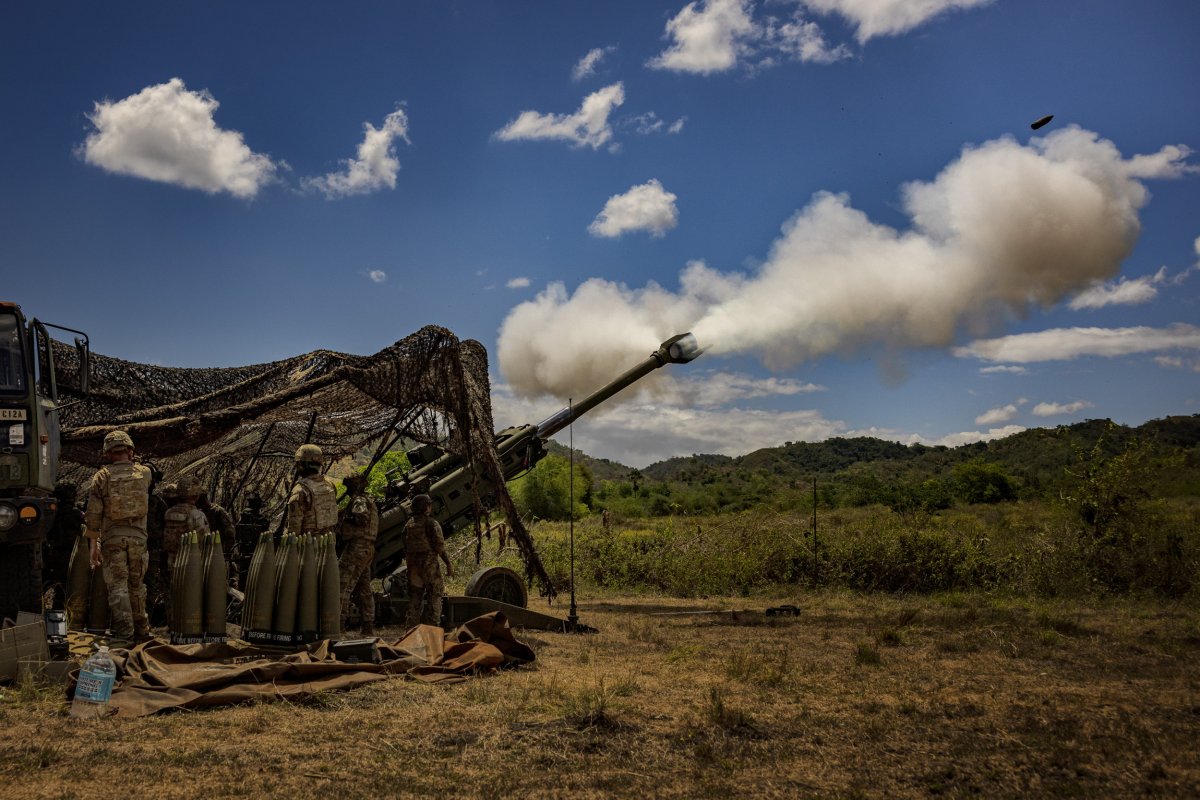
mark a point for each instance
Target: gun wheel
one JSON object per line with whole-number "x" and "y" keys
{"x": 498, "y": 583}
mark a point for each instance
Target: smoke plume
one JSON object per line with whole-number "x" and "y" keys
{"x": 1004, "y": 227}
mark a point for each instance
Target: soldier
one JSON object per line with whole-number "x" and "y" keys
{"x": 219, "y": 519}
{"x": 358, "y": 527}
{"x": 423, "y": 546}
{"x": 181, "y": 518}
{"x": 116, "y": 527}
{"x": 312, "y": 506}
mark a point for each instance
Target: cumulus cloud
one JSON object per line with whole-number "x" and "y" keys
{"x": 1002, "y": 414}
{"x": 586, "y": 66}
{"x": 967, "y": 437}
{"x": 650, "y": 122}
{"x": 589, "y": 126}
{"x": 711, "y": 36}
{"x": 168, "y": 134}
{"x": 872, "y": 18}
{"x": 375, "y": 166}
{"x": 517, "y": 283}
{"x": 1120, "y": 292}
{"x": 1003, "y": 369}
{"x": 1059, "y": 409}
{"x": 1004, "y": 227}
{"x": 1064, "y": 344}
{"x": 377, "y": 276}
{"x": 646, "y": 207}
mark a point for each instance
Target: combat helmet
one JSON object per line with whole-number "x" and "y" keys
{"x": 355, "y": 479}
{"x": 115, "y": 439}
{"x": 188, "y": 486}
{"x": 421, "y": 503}
{"x": 309, "y": 454}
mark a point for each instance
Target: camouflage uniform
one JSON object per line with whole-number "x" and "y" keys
{"x": 219, "y": 521}
{"x": 312, "y": 506}
{"x": 118, "y": 502}
{"x": 358, "y": 528}
{"x": 423, "y": 545}
{"x": 180, "y": 518}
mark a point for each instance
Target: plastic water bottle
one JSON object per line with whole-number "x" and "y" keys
{"x": 95, "y": 686}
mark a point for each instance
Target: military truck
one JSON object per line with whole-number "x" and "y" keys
{"x": 29, "y": 449}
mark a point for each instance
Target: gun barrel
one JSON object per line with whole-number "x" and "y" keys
{"x": 676, "y": 350}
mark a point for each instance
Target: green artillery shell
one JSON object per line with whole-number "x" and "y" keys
{"x": 264, "y": 593}
{"x": 191, "y": 619}
{"x": 97, "y": 613}
{"x": 216, "y": 580}
{"x": 288, "y": 569}
{"x": 307, "y": 599}
{"x": 251, "y": 580}
{"x": 331, "y": 591}
{"x": 78, "y": 577}
{"x": 176, "y": 584}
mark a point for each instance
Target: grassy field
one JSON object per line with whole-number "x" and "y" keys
{"x": 862, "y": 695}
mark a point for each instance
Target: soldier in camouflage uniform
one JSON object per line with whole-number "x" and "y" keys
{"x": 358, "y": 528}
{"x": 312, "y": 505}
{"x": 180, "y": 519}
{"x": 423, "y": 546}
{"x": 118, "y": 502}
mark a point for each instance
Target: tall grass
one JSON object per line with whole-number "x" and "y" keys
{"x": 1026, "y": 547}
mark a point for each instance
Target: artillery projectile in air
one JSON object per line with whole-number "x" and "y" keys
{"x": 1041, "y": 123}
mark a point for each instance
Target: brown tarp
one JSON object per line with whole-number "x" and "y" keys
{"x": 154, "y": 677}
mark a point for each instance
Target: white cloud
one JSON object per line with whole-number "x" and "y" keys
{"x": 711, "y": 36}
{"x": 1175, "y": 362}
{"x": 166, "y": 133}
{"x": 1011, "y": 370}
{"x": 1059, "y": 409}
{"x": 377, "y": 276}
{"x": 375, "y": 167}
{"x": 967, "y": 437}
{"x": 1121, "y": 292}
{"x": 677, "y": 126}
{"x": 646, "y": 207}
{"x": 650, "y": 122}
{"x": 1002, "y": 414}
{"x": 517, "y": 283}
{"x": 712, "y": 388}
{"x": 586, "y": 66}
{"x": 1064, "y": 344}
{"x": 707, "y": 37}
{"x": 874, "y": 18}
{"x": 588, "y": 126}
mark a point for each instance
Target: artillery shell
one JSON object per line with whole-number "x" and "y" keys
{"x": 330, "y": 624}
{"x": 264, "y": 592}
{"x": 98, "y": 611}
{"x": 1041, "y": 123}
{"x": 307, "y": 595}
{"x": 216, "y": 580}
{"x": 78, "y": 577}
{"x": 191, "y": 617}
{"x": 283, "y": 626}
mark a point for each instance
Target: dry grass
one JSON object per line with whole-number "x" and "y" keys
{"x": 860, "y": 696}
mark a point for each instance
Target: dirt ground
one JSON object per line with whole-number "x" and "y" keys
{"x": 858, "y": 696}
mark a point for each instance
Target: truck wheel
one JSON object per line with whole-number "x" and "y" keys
{"x": 498, "y": 583}
{"x": 20, "y": 579}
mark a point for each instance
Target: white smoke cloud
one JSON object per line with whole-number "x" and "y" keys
{"x": 375, "y": 166}
{"x": 1059, "y": 409}
{"x": 1120, "y": 292}
{"x": 377, "y": 276}
{"x": 168, "y": 134}
{"x": 517, "y": 283}
{"x": 1064, "y": 344}
{"x": 1003, "y": 227}
{"x": 646, "y": 207}
{"x": 1002, "y": 414}
{"x": 589, "y": 126}
{"x": 873, "y": 18}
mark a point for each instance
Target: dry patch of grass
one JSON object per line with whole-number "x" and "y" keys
{"x": 868, "y": 696}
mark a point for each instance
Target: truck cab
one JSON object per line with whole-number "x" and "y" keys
{"x": 29, "y": 451}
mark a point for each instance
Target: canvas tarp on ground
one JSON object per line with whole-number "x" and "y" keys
{"x": 154, "y": 677}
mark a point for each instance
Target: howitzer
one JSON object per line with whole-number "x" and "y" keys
{"x": 448, "y": 480}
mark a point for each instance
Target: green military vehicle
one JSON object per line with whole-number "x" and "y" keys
{"x": 29, "y": 449}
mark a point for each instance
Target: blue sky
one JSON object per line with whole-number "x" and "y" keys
{"x": 843, "y": 198}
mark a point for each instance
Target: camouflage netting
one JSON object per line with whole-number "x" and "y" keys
{"x": 237, "y": 428}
